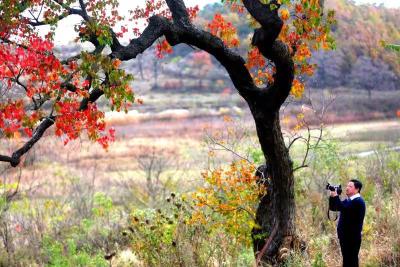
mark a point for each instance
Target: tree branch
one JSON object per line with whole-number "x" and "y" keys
{"x": 176, "y": 34}
{"x": 156, "y": 29}
{"x": 72, "y": 11}
{"x": 84, "y": 12}
{"x": 60, "y": 17}
{"x": 15, "y": 159}
{"x": 264, "y": 39}
{"x": 40, "y": 130}
{"x": 232, "y": 62}
{"x": 265, "y": 14}
{"x": 179, "y": 12}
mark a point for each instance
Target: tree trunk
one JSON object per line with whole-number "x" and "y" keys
{"x": 275, "y": 216}
{"x": 155, "y": 69}
{"x": 140, "y": 65}
{"x": 276, "y": 211}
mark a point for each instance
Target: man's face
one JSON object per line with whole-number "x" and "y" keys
{"x": 351, "y": 189}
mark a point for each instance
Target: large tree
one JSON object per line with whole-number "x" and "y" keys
{"x": 39, "y": 90}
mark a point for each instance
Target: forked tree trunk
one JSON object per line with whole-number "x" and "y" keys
{"x": 276, "y": 211}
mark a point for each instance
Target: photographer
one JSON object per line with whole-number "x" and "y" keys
{"x": 352, "y": 212}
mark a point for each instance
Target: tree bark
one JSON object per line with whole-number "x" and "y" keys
{"x": 275, "y": 215}
{"x": 276, "y": 211}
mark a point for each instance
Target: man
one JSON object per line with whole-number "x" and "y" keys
{"x": 352, "y": 212}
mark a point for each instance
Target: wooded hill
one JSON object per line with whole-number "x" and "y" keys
{"x": 360, "y": 60}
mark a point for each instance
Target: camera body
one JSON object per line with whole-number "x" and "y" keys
{"x": 337, "y": 188}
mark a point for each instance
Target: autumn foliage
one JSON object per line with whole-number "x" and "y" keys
{"x": 233, "y": 193}
{"x": 32, "y": 76}
{"x": 224, "y": 30}
{"x": 304, "y": 31}
{"x": 50, "y": 88}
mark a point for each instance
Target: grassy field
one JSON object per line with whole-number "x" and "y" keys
{"x": 183, "y": 144}
{"x": 64, "y": 185}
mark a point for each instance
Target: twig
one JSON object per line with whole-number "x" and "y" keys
{"x": 266, "y": 245}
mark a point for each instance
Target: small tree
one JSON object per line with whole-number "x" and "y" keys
{"x": 44, "y": 91}
{"x": 379, "y": 77}
{"x": 202, "y": 64}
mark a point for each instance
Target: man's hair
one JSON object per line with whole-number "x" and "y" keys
{"x": 357, "y": 184}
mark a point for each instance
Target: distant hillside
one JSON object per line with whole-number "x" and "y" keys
{"x": 360, "y": 60}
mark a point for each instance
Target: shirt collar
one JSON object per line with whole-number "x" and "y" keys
{"x": 355, "y": 196}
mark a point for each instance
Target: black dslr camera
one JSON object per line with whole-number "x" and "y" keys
{"x": 337, "y": 188}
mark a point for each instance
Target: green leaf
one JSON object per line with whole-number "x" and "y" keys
{"x": 393, "y": 47}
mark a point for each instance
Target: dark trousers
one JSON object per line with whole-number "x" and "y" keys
{"x": 350, "y": 247}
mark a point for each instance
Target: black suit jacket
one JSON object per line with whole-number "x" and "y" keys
{"x": 351, "y": 218}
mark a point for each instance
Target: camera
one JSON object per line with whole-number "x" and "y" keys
{"x": 337, "y": 188}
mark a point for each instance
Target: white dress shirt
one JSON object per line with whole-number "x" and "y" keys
{"x": 355, "y": 196}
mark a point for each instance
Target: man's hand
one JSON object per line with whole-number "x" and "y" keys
{"x": 333, "y": 193}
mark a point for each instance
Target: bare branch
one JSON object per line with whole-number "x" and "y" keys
{"x": 43, "y": 126}
{"x": 300, "y": 167}
{"x": 294, "y": 141}
{"x": 84, "y": 12}
{"x": 156, "y": 29}
{"x": 308, "y": 144}
{"x": 226, "y": 148}
{"x": 266, "y": 15}
{"x": 179, "y": 12}
{"x": 266, "y": 245}
{"x": 71, "y": 11}
{"x": 36, "y": 22}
